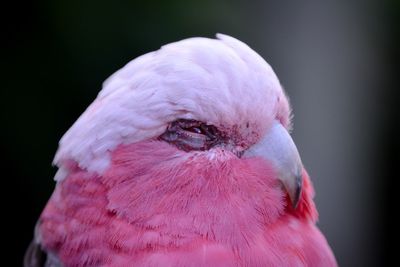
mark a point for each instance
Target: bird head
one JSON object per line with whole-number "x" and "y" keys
{"x": 199, "y": 95}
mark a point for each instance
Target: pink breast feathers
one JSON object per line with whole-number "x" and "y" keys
{"x": 159, "y": 206}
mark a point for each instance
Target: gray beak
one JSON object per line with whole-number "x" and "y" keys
{"x": 278, "y": 148}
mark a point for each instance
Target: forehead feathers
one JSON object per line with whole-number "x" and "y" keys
{"x": 217, "y": 81}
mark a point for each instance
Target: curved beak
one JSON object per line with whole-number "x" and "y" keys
{"x": 278, "y": 148}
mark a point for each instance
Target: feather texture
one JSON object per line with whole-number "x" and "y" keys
{"x": 211, "y": 80}
{"x": 125, "y": 198}
{"x": 197, "y": 211}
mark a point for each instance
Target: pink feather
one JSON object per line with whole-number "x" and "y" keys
{"x": 125, "y": 198}
{"x": 159, "y": 206}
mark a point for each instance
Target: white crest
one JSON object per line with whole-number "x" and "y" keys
{"x": 220, "y": 81}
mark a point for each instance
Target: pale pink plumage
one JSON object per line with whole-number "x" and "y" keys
{"x": 212, "y": 80}
{"x": 125, "y": 198}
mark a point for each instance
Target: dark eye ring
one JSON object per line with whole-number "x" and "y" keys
{"x": 190, "y": 135}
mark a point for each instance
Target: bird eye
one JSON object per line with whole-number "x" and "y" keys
{"x": 190, "y": 135}
{"x": 195, "y": 130}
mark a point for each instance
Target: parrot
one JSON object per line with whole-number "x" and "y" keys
{"x": 184, "y": 159}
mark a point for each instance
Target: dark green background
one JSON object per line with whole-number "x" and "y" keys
{"x": 336, "y": 60}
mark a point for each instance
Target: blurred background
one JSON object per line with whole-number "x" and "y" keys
{"x": 336, "y": 60}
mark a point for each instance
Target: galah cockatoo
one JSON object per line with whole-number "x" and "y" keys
{"x": 183, "y": 159}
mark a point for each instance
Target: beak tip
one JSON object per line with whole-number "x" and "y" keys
{"x": 295, "y": 198}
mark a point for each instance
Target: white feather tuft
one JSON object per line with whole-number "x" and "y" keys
{"x": 220, "y": 81}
